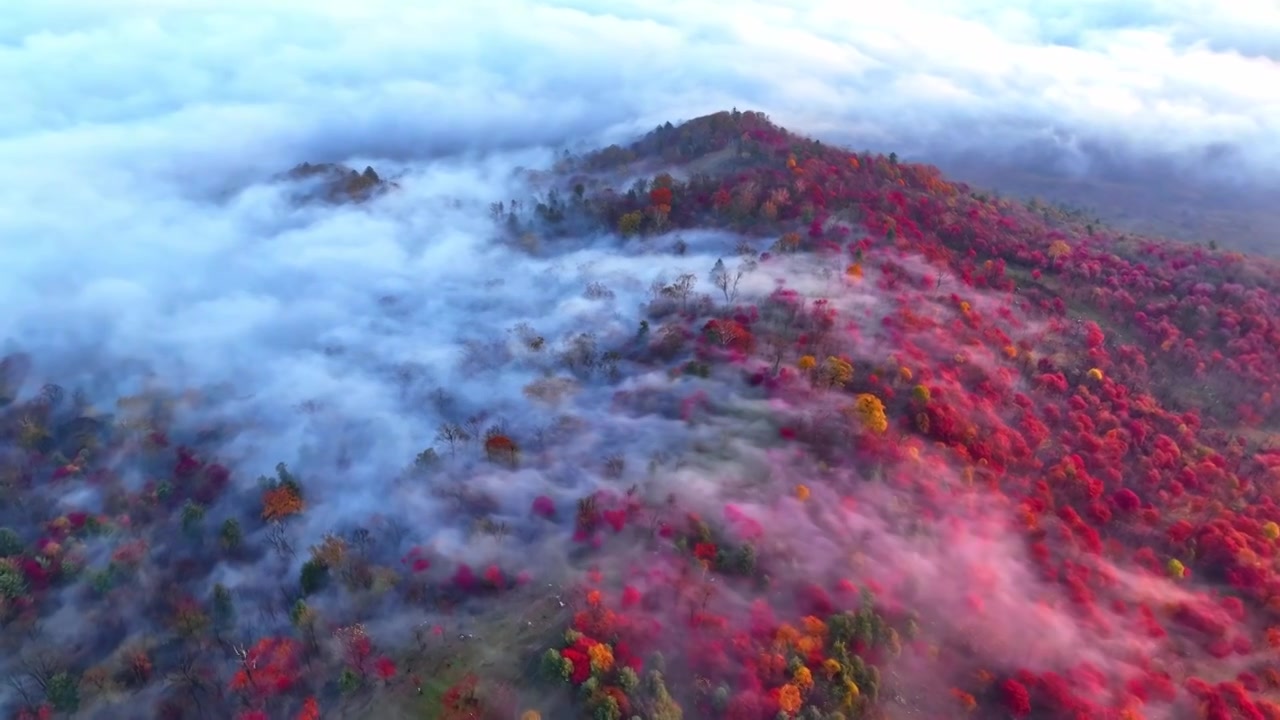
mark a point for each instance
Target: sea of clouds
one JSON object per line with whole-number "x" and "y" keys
{"x": 145, "y": 237}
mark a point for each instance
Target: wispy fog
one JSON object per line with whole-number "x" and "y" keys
{"x": 147, "y": 240}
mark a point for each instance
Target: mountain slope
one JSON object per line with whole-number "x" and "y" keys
{"x": 878, "y": 445}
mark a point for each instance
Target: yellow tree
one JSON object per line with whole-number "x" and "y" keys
{"x": 629, "y": 224}
{"x": 870, "y": 412}
{"x": 835, "y": 372}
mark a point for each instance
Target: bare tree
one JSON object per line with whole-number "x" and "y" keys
{"x": 580, "y": 353}
{"x": 682, "y": 289}
{"x": 597, "y": 290}
{"x": 483, "y": 355}
{"x": 615, "y": 465}
{"x": 473, "y": 425}
{"x": 249, "y": 666}
{"x": 19, "y": 684}
{"x": 441, "y": 400}
{"x": 727, "y": 280}
{"x": 280, "y": 541}
{"x": 395, "y": 531}
{"x": 188, "y": 677}
{"x": 362, "y": 540}
{"x": 451, "y": 434}
{"x": 657, "y": 289}
{"x": 720, "y": 277}
{"x": 529, "y": 337}
{"x": 41, "y": 665}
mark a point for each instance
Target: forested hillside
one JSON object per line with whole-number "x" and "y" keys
{"x": 835, "y": 438}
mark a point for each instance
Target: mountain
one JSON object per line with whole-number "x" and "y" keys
{"x": 334, "y": 183}
{"x": 1159, "y": 199}
{"x": 882, "y": 445}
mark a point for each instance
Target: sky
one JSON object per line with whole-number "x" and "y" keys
{"x": 234, "y": 86}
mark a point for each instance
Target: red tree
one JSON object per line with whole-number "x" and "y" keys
{"x": 1016, "y": 698}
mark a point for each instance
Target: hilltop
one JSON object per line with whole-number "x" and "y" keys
{"x": 335, "y": 183}
{"x": 883, "y": 445}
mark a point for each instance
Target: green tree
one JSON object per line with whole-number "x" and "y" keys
{"x": 10, "y": 543}
{"x": 349, "y": 681}
{"x": 12, "y": 584}
{"x": 657, "y": 701}
{"x": 313, "y": 576}
{"x": 231, "y": 535}
{"x": 63, "y": 692}
{"x": 192, "y": 514}
{"x": 224, "y": 609}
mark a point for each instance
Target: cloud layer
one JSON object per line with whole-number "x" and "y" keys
{"x": 211, "y": 92}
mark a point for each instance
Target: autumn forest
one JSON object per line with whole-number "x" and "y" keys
{"x": 828, "y": 436}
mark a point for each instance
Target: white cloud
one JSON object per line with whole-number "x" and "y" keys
{"x": 241, "y": 80}
{"x": 139, "y": 138}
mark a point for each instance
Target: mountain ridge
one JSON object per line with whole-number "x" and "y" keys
{"x": 806, "y": 433}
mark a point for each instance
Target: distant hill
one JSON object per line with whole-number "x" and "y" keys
{"x": 1154, "y": 203}
{"x": 333, "y": 183}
